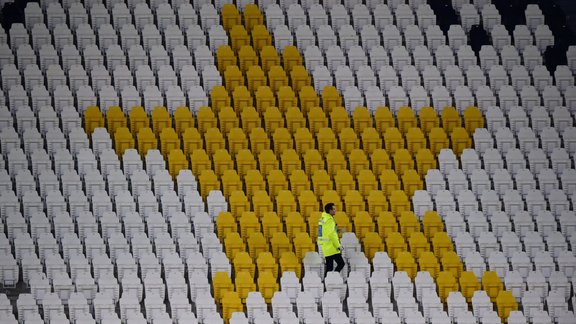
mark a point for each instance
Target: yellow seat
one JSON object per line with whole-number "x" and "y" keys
{"x": 348, "y": 140}
{"x": 355, "y": 203}
{"x": 307, "y": 201}
{"x": 242, "y": 99}
{"x": 220, "y": 98}
{"x": 238, "y": 203}
{"x": 222, "y": 162}
{"x": 237, "y": 140}
{"x": 326, "y": 140}
{"x": 214, "y": 140}
{"x": 343, "y": 221}
{"x": 405, "y": 262}
{"x": 245, "y": 161}
{"x": 344, "y": 182}
{"x": 267, "y": 285}
{"x": 264, "y": 98}
{"x": 208, "y": 181}
{"x": 299, "y": 77}
{"x": 451, "y": 262}
{"x": 313, "y": 161}
{"x": 372, "y": 243}
{"x": 250, "y": 119}
{"x": 367, "y": 183}
{"x": 244, "y": 285}
{"x": 386, "y": 223}
{"x": 303, "y": 244}
{"x": 294, "y": 223}
{"x": 460, "y": 140}
{"x": 335, "y": 161}
{"x": 259, "y": 140}
{"x": 506, "y": 303}
{"x": 93, "y": 119}
{"x": 473, "y": 119}
{"x": 411, "y": 182}
{"x": 290, "y": 161}
{"x": 437, "y": 140}
{"x": 247, "y": 58}
{"x": 233, "y": 243}
{"x": 280, "y": 243}
{"x": 425, "y": 161}
{"x": 408, "y": 223}
{"x": 450, "y": 119}
{"x": 287, "y": 99}
{"x": 309, "y": 99}
{"x": 227, "y": 227}
{"x": 269, "y": 57}
{"x": 249, "y": 223}
{"x": 363, "y": 223}
{"x": 428, "y": 262}
{"x": 224, "y": 57}
{"x": 253, "y": 182}
{"x": 428, "y": 119}
{"x": 289, "y": 262}
{"x": 339, "y": 118}
{"x": 313, "y": 220}
{"x": 291, "y": 57}
{"x": 146, "y": 141}
{"x": 362, "y": 119}
{"x": 492, "y": 284}
{"x": 399, "y": 202}
{"x": 393, "y": 140}
{"x": 256, "y": 78}
{"x": 418, "y": 244}
{"x": 285, "y": 203}
{"x": 331, "y": 99}
{"x": 294, "y": 119}
{"x": 321, "y": 182}
{"x": 261, "y": 37}
{"x": 406, "y": 119}
{"x": 380, "y": 161}
{"x": 176, "y": 161}
{"x": 403, "y": 161}
{"x": 183, "y": 119}
{"x": 238, "y": 37}
{"x": 191, "y": 140}
{"x": 123, "y": 140}
{"x": 283, "y": 141}
{"x": 277, "y": 77}
{"x": 252, "y": 16}
{"x": 257, "y": 244}
{"x": 169, "y": 141}
{"x": 267, "y": 263}
{"x": 333, "y": 197}
{"x": 243, "y": 262}
{"x": 233, "y": 78}
{"x": 441, "y": 244}
{"x": 261, "y": 203}
{"x": 389, "y": 181}
{"x": 267, "y": 161}
{"x": 358, "y": 161}
{"x": 415, "y": 140}
{"x": 230, "y": 16}
{"x": 160, "y": 119}
{"x": 200, "y": 161}
{"x": 377, "y": 203}
{"x": 432, "y": 224}
{"x": 371, "y": 140}
{"x": 227, "y": 119}
{"x": 221, "y": 283}
{"x": 276, "y": 181}
{"x": 231, "y": 182}
{"x": 383, "y": 119}
{"x": 115, "y": 119}
{"x": 138, "y": 119}
{"x": 206, "y": 119}
{"x": 273, "y": 120}
{"x": 468, "y": 285}
{"x": 271, "y": 224}
{"x": 395, "y": 244}
{"x": 446, "y": 283}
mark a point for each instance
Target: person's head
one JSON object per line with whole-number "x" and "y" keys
{"x": 330, "y": 208}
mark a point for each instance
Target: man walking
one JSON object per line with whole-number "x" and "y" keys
{"x": 328, "y": 239}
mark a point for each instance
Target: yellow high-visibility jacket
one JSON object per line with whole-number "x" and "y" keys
{"x": 328, "y": 235}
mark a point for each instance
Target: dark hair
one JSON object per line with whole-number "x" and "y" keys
{"x": 328, "y": 207}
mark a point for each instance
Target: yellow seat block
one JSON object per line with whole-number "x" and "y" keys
{"x": 313, "y": 161}
{"x": 160, "y": 119}
{"x": 269, "y": 57}
{"x": 256, "y": 79}
{"x": 437, "y": 140}
{"x": 446, "y": 283}
{"x": 393, "y": 140}
{"x": 276, "y": 181}
{"x": 244, "y": 282}
{"x": 473, "y": 119}
{"x": 264, "y": 98}
{"x": 287, "y": 99}
{"x": 169, "y": 141}
{"x": 358, "y": 161}
{"x": 411, "y": 182}
{"x": 425, "y": 160}
{"x": 245, "y": 161}
{"x": 303, "y": 244}
{"x": 253, "y": 182}
{"x": 372, "y": 243}
{"x": 259, "y": 140}
{"x": 408, "y": 223}
{"x": 123, "y": 140}
{"x": 386, "y": 223}
{"x": 450, "y": 119}
{"x": 271, "y": 223}
{"x": 321, "y": 182}
{"x": 468, "y": 285}
{"x": 362, "y": 119}
{"x": 399, "y": 202}
{"x": 460, "y": 140}
{"x": 331, "y": 99}
{"x": 230, "y": 16}
{"x": 237, "y": 141}
{"x": 183, "y": 119}
{"x": 115, "y": 119}
{"x": 290, "y": 161}
{"x": 309, "y": 99}
{"x": 380, "y": 161}
{"x": 233, "y": 244}
{"x": 267, "y": 285}
{"x": 344, "y": 182}
{"x": 247, "y": 58}
{"x": 224, "y": 57}
{"x": 441, "y": 244}
{"x": 273, "y": 120}
{"x": 227, "y": 227}
{"x": 299, "y": 77}
{"x": 214, "y": 140}
{"x": 415, "y": 140}
{"x": 291, "y": 57}
{"x": 277, "y": 77}
{"x": 432, "y": 224}
{"x": 261, "y": 37}
{"x": 389, "y": 181}
{"x": 289, "y": 262}
{"x": 367, "y": 183}
{"x": 418, "y": 244}
{"x": 371, "y": 140}
{"x": 250, "y": 119}
{"x": 363, "y": 223}
{"x": 208, "y": 181}
{"x": 384, "y": 119}
{"x": 377, "y": 203}
{"x": 294, "y": 223}
{"x": 238, "y": 37}
{"x": 138, "y": 119}
{"x": 280, "y": 243}
{"x": 506, "y": 303}
{"x": 146, "y": 141}
{"x": 405, "y": 262}
{"x": 428, "y": 262}
{"x": 249, "y": 224}
{"x": 242, "y": 99}
{"x": 227, "y": 119}
{"x": 428, "y": 119}
{"x": 221, "y": 283}
{"x": 326, "y": 140}
{"x": 335, "y": 161}
{"x": 403, "y": 161}
{"x": 395, "y": 244}
{"x": 261, "y": 203}
{"x": 451, "y": 262}
{"x": 200, "y": 161}
{"x": 257, "y": 244}
{"x": 252, "y": 16}
{"x": 176, "y": 161}
{"x": 243, "y": 262}
{"x": 295, "y": 119}
{"x": 219, "y": 97}
{"x": 206, "y": 119}
{"x": 268, "y": 161}
{"x": 267, "y": 263}
{"x": 406, "y": 119}
{"x": 233, "y": 78}
{"x": 93, "y": 119}
{"x": 238, "y": 203}
{"x": 492, "y": 284}
{"x": 307, "y": 202}
{"x": 348, "y": 140}
{"x": 231, "y": 182}
{"x": 191, "y": 140}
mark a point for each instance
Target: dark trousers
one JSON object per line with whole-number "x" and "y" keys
{"x": 330, "y": 263}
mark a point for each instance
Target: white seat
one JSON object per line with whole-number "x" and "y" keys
{"x": 431, "y": 77}
{"x": 422, "y": 57}
{"x": 391, "y": 37}
{"x": 456, "y": 37}
{"x": 543, "y": 37}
